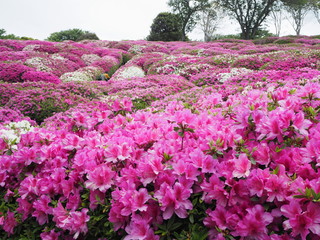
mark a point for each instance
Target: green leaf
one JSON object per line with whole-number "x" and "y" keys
{"x": 275, "y": 171}
{"x": 167, "y": 157}
{"x": 176, "y": 129}
{"x": 181, "y": 134}
{"x": 191, "y": 219}
{"x": 175, "y": 226}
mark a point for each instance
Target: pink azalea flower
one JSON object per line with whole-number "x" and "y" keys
{"x": 301, "y": 222}
{"x": 139, "y": 199}
{"x": 28, "y": 187}
{"x": 74, "y": 200}
{"x": 100, "y": 178}
{"x": 214, "y": 190}
{"x": 78, "y": 222}
{"x": 42, "y": 209}
{"x": 242, "y": 166}
{"x": 61, "y": 216}
{"x": 25, "y": 208}
{"x": 139, "y": 229}
{"x": 118, "y": 152}
{"x": 263, "y": 154}
{"x": 301, "y": 124}
{"x": 256, "y": 182}
{"x": 276, "y": 188}
{"x": 174, "y": 200}
{"x": 254, "y": 224}
{"x": 52, "y": 235}
{"x": 9, "y": 223}
{"x": 221, "y": 218}
{"x": 3, "y": 176}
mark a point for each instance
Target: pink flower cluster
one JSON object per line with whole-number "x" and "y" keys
{"x": 235, "y": 157}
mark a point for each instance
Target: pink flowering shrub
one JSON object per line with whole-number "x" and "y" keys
{"x": 38, "y": 104}
{"x": 8, "y": 115}
{"x": 37, "y": 76}
{"x": 236, "y": 157}
{"x": 13, "y": 44}
{"x": 39, "y": 100}
{"x": 144, "y": 90}
{"x": 12, "y": 72}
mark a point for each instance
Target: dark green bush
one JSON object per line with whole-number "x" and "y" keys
{"x": 165, "y": 27}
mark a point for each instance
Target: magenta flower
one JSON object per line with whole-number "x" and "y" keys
{"x": 42, "y": 209}
{"x": 78, "y": 222}
{"x": 254, "y": 224}
{"x": 139, "y": 199}
{"x": 256, "y": 181}
{"x": 9, "y": 222}
{"x": 302, "y": 221}
{"x": 221, "y": 218}
{"x": 61, "y": 216}
{"x": 29, "y": 186}
{"x": 25, "y": 208}
{"x": 100, "y": 178}
{"x": 276, "y": 187}
{"x": 242, "y": 166}
{"x": 214, "y": 190}
{"x": 301, "y": 124}
{"x": 139, "y": 229}
{"x": 174, "y": 200}
{"x": 52, "y": 235}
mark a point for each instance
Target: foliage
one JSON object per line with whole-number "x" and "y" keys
{"x": 165, "y": 27}
{"x": 188, "y": 10}
{"x": 74, "y": 34}
{"x": 209, "y": 20}
{"x": 249, "y": 14}
{"x": 7, "y": 36}
{"x": 298, "y": 10}
{"x": 315, "y": 5}
{"x": 3, "y": 35}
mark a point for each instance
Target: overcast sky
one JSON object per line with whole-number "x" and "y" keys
{"x": 109, "y": 19}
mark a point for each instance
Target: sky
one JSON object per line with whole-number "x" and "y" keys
{"x": 110, "y": 19}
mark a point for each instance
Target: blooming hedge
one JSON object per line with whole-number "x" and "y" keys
{"x": 226, "y": 144}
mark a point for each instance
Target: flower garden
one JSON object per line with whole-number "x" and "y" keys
{"x": 154, "y": 140}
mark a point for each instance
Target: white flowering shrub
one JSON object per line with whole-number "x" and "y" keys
{"x": 234, "y": 72}
{"x": 85, "y": 74}
{"x": 111, "y": 59}
{"x": 30, "y": 47}
{"x": 11, "y": 133}
{"x": 39, "y": 63}
{"x": 90, "y": 58}
{"x": 130, "y": 72}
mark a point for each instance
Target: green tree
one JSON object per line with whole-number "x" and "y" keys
{"x": 315, "y": 5}
{"x": 188, "y": 12}
{"x": 250, "y": 14}
{"x": 74, "y": 34}
{"x": 165, "y": 27}
{"x": 209, "y": 21}
{"x": 276, "y": 15}
{"x": 2, "y": 32}
{"x": 298, "y": 10}
{"x": 3, "y": 35}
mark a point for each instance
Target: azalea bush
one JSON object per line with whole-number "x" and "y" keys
{"x": 40, "y": 100}
{"x": 192, "y": 141}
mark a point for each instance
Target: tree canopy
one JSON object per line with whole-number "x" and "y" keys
{"x": 250, "y": 14}
{"x": 188, "y": 10}
{"x": 72, "y": 34}
{"x": 165, "y": 27}
{"x": 3, "y": 35}
{"x": 298, "y": 9}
